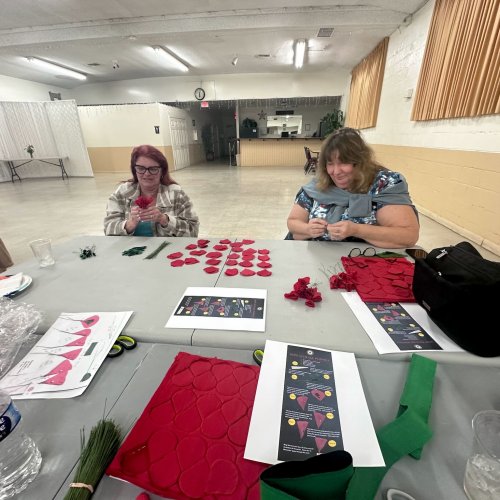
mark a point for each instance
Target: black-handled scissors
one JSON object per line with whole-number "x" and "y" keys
{"x": 122, "y": 343}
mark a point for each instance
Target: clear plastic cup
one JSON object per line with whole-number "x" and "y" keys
{"x": 42, "y": 250}
{"x": 482, "y": 472}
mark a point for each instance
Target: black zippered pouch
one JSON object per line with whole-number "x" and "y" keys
{"x": 460, "y": 290}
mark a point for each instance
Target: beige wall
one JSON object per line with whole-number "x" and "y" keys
{"x": 276, "y": 152}
{"x": 459, "y": 189}
{"x": 117, "y": 159}
{"x": 196, "y": 154}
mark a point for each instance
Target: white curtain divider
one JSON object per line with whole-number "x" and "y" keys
{"x": 53, "y": 128}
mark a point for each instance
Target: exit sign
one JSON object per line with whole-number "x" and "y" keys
{"x": 204, "y": 104}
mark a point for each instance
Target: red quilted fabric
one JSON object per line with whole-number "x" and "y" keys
{"x": 189, "y": 441}
{"x": 381, "y": 280}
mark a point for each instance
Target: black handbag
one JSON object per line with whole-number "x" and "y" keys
{"x": 460, "y": 290}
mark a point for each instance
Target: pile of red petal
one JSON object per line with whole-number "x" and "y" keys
{"x": 344, "y": 281}
{"x": 302, "y": 290}
{"x": 144, "y": 201}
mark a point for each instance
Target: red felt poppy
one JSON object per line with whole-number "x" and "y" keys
{"x": 211, "y": 270}
{"x": 174, "y": 255}
{"x": 198, "y": 253}
{"x": 246, "y": 263}
{"x": 247, "y": 242}
{"x": 231, "y": 272}
{"x": 301, "y": 289}
{"x": 144, "y": 201}
{"x": 231, "y": 262}
{"x": 247, "y": 272}
{"x": 214, "y": 255}
{"x": 263, "y": 251}
{"x": 213, "y": 262}
{"x": 263, "y": 257}
{"x": 191, "y": 260}
{"x": 264, "y": 272}
{"x": 225, "y": 241}
{"x": 220, "y": 247}
{"x": 177, "y": 263}
{"x": 264, "y": 265}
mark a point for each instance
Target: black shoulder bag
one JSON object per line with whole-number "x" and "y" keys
{"x": 460, "y": 290}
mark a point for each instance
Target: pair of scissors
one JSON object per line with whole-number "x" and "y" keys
{"x": 122, "y": 343}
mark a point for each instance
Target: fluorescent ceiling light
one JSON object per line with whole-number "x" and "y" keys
{"x": 300, "y": 50}
{"x": 56, "y": 68}
{"x": 170, "y": 58}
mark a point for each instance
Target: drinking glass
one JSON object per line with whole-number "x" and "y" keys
{"x": 42, "y": 250}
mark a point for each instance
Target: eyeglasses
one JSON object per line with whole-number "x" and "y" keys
{"x": 367, "y": 252}
{"x": 151, "y": 170}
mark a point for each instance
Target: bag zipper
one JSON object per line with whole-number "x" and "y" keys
{"x": 472, "y": 270}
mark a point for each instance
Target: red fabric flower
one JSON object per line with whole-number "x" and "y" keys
{"x": 344, "y": 281}
{"x": 144, "y": 201}
{"x": 302, "y": 290}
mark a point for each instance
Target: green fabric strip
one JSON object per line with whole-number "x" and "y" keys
{"x": 406, "y": 435}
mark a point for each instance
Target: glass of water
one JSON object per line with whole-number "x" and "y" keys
{"x": 482, "y": 472}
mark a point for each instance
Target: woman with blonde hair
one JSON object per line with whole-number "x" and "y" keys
{"x": 353, "y": 198}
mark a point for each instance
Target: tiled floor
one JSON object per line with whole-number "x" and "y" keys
{"x": 230, "y": 201}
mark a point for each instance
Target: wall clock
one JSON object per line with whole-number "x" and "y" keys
{"x": 199, "y": 93}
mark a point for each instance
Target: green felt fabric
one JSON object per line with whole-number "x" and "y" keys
{"x": 406, "y": 435}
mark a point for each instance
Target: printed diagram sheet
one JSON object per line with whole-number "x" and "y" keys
{"x": 66, "y": 358}
{"x": 215, "y": 308}
{"x": 310, "y": 401}
{"x": 398, "y": 327}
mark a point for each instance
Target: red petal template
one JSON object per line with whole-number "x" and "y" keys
{"x": 231, "y": 272}
{"x": 231, "y": 262}
{"x": 247, "y": 272}
{"x": 58, "y": 379}
{"x": 264, "y": 257}
{"x": 71, "y": 354}
{"x": 319, "y": 418}
{"x": 63, "y": 367}
{"x": 237, "y": 249}
{"x": 198, "y": 253}
{"x": 191, "y": 260}
{"x": 263, "y": 251}
{"x": 320, "y": 443}
{"x": 191, "y": 246}
{"x": 174, "y": 255}
{"x": 91, "y": 321}
{"x": 246, "y": 263}
{"x": 302, "y": 401}
{"x": 78, "y": 342}
{"x": 319, "y": 395}
{"x": 264, "y": 265}
{"x": 249, "y": 251}
{"x": 220, "y": 247}
{"x": 211, "y": 270}
{"x": 177, "y": 263}
{"x": 302, "y": 426}
{"x": 247, "y": 242}
{"x": 233, "y": 256}
{"x": 84, "y": 333}
{"x": 265, "y": 273}
{"x": 225, "y": 241}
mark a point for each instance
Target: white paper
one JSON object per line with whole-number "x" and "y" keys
{"x": 382, "y": 341}
{"x": 56, "y": 369}
{"x": 226, "y": 320}
{"x": 11, "y": 284}
{"x": 358, "y": 434}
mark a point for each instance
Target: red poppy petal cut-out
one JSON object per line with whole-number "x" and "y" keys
{"x": 248, "y": 257}
{"x": 214, "y": 255}
{"x": 237, "y": 249}
{"x": 203, "y": 242}
{"x": 191, "y": 246}
{"x": 225, "y": 241}
{"x": 174, "y": 255}
{"x": 197, "y": 252}
{"x": 231, "y": 272}
{"x": 263, "y": 251}
{"x": 233, "y": 256}
{"x": 264, "y": 265}
{"x": 264, "y": 257}
{"x": 246, "y": 263}
{"x": 249, "y": 251}
{"x": 177, "y": 263}
{"x": 247, "y": 242}
{"x": 220, "y": 247}
{"x": 264, "y": 273}
{"x": 231, "y": 262}
{"x": 247, "y": 272}
{"x": 211, "y": 269}
{"x": 213, "y": 262}
{"x": 191, "y": 260}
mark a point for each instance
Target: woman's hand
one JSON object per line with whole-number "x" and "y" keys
{"x": 316, "y": 227}
{"x": 341, "y": 230}
{"x": 153, "y": 214}
{"x": 133, "y": 219}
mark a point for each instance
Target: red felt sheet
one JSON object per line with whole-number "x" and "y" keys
{"x": 190, "y": 439}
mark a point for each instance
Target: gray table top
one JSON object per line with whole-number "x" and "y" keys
{"x": 152, "y": 289}
{"x": 124, "y": 386}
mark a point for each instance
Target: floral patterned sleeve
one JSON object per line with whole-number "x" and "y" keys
{"x": 304, "y": 200}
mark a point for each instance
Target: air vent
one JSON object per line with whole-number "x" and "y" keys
{"x": 93, "y": 64}
{"x": 325, "y": 33}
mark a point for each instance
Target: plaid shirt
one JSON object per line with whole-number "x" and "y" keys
{"x": 171, "y": 200}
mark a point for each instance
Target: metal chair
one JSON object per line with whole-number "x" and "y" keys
{"x": 311, "y": 161}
